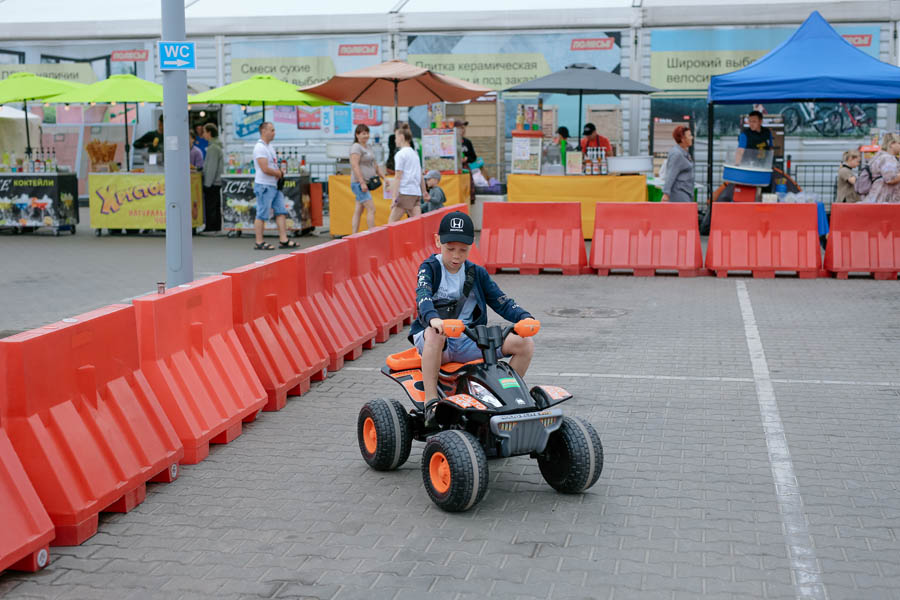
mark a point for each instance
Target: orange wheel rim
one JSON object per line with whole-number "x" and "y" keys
{"x": 370, "y": 436}
{"x": 439, "y": 471}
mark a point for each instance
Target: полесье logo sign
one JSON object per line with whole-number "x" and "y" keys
{"x": 358, "y": 50}
{"x": 606, "y": 43}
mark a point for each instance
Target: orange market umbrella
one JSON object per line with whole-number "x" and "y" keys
{"x": 397, "y": 83}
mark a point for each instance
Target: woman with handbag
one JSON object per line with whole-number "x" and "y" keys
{"x": 365, "y": 176}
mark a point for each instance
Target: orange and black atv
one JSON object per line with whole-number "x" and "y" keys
{"x": 484, "y": 411}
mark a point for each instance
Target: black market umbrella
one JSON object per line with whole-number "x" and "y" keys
{"x": 581, "y": 79}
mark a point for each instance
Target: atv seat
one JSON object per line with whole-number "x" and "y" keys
{"x": 410, "y": 359}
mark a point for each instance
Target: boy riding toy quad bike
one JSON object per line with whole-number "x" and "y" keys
{"x": 483, "y": 412}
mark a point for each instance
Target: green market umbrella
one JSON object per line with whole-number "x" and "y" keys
{"x": 261, "y": 90}
{"x": 22, "y": 87}
{"x": 123, "y": 88}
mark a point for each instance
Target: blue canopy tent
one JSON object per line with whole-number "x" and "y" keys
{"x": 814, "y": 64}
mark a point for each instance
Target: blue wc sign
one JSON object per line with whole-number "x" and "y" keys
{"x": 177, "y": 56}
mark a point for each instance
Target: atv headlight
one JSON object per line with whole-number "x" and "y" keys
{"x": 480, "y": 392}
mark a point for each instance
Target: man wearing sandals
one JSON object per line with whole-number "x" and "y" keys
{"x": 265, "y": 186}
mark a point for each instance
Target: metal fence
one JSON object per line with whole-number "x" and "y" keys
{"x": 818, "y": 178}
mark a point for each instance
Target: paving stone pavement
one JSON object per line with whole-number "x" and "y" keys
{"x": 686, "y": 506}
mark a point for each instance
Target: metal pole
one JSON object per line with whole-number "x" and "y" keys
{"x": 396, "y": 102}
{"x": 27, "y": 132}
{"x": 710, "y": 123}
{"x": 179, "y": 253}
{"x": 578, "y": 133}
{"x": 127, "y": 147}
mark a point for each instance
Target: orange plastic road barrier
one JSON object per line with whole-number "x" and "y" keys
{"x": 646, "y": 236}
{"x": 315, "y": 204}
{"x": 533, "y": 237}
{"x": 27, "y": 530}
{"x": 195, "y": 364}
{"x": 406, "y": 246}
{"x": 83, "y": 419}
{"x": 370, "y": 267}
{"x": 763, "y": 239}
{"x": 864, "y": 238}
{"x": 331, "y": 300}
{"x": 274, "y": 329}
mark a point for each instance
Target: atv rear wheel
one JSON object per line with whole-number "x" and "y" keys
{"x": 573, "y": 459}
{"x": 454, "y": 470}
{"x": 384, "y": 434}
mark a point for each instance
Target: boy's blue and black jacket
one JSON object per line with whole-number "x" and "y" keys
{"x": 487, "y": 293}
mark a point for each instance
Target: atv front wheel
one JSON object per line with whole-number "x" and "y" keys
{"x": 573, "y": 459}
{"x": 454, "y": 470}
{"x": 384, "y": 435}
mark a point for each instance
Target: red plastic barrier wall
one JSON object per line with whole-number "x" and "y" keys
{"x": 192, "y": 358}
{"x": 26, "y": 528}
{"x": 864, "y": 238}
{"x": 331, "y": 300}
{"x": 533, "y": 236}
{"x": 83, "y": 419}
{"x": 370, "y": 268}
{"x": 406, "y": 245}
{"x": 646, "y": 236}
{"x": 764, "y": 238}
{"x": 274, "y": 329}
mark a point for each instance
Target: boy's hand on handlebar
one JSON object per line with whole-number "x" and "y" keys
{"x": 437, "y": 325}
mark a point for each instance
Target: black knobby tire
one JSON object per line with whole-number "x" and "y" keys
{"x": 389, "y": 447}
{"x": 465, "y": 464}
{"x": 832, "y": 123}
{"x": 573, "y": 459}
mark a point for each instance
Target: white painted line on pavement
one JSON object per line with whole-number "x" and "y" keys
{"x": 805, "y": 569}
{"x": 689, "y": 378}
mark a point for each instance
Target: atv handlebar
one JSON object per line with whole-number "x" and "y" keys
{"x": 524, "y": 328}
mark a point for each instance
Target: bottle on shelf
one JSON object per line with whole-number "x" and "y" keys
{"x": 53, "y": 158}
{"x": 604, "y": 167}
{"x": 38, "y": 161}
{"x": 304, "y": 169}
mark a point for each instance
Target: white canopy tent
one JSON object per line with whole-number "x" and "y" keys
{"x": 12, "y": 132}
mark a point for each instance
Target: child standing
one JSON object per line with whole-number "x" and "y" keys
{"x": 436, "y": 194}
{"x": 442, "y": 280}
{"x": 846, "y": 178}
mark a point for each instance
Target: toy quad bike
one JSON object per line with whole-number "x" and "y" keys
{"x": 483, "y": 412}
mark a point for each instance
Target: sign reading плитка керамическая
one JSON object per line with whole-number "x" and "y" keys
{"x": 177, "y": 56}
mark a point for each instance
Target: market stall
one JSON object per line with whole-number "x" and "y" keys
{"x": 239, "y": 204}
{"x": 544, "y": 171}
{"x": 32, "y": 200}
{"x": 136, "y": 201}
{"x": 341, "y": 200}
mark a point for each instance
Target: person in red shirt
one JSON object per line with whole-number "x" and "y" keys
{"x": 592, "y": 139}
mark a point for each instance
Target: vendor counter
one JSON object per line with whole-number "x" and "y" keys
{"x": 32, "y": 200}
{"x": 136, "y": 200}
{"x": 587, "y": 189}
{"x": 342, "y": 201}
{"x": 239, "y": 204}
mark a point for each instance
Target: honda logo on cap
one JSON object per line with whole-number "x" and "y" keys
{"x": 456, "y": 223}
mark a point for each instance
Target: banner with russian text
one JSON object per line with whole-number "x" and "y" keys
{"x": 136, "y": 200}
{"x": 500, "y": 60}
{"x": 304, "y": 62}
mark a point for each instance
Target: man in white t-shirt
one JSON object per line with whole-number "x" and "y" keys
{"x": 265, "y": 185}
{"x": 409, "y": 185}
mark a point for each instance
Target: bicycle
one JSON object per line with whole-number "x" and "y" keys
{"x": 803, "y": 114}
{"x": 849, "y": 117}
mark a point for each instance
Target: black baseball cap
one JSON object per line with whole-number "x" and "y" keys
{"x": 457, "y": 227}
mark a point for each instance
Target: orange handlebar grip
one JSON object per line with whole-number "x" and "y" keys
{"x": 453, "y": 327}
{"x": 527, "y": 327}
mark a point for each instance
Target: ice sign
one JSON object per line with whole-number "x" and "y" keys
{"x": 175, "y": 56}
